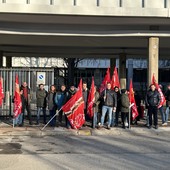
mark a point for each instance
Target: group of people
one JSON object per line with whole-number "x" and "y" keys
{"x": 108, "y": 106}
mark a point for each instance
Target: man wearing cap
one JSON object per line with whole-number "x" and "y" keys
{"x": 152, "y": 102}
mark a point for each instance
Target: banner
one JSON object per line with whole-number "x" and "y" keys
{"x": 133, "y": 102}
{"x": 159, "y": 90}
{"x": 74, "y": 109}
{"x": 105, "y": 81}
{"x": 91, "y": 99}
{"x": 17, "y": 98}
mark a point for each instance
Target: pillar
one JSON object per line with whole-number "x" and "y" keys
{"x": 122, "y": 70}
{"x": 130, "y": 71}
{"x": 9, "y": 61}
{"x": 1, "y": 59}
{"x": 112, "y": 65}
{"x": 153, "y": 59}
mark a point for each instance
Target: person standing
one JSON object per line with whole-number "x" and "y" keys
{"x": 51, "y": 104}
{"x": 117, "y": 92}
{"x": 152, "y": 102}
{"x": 26, "y": 102}
{"x": 125, "y": 103}
{"x": 96, "y": 106}
{"x": 60, "y": 99}
{"x": 41, "y": 103}
{"x": 85, "y": 98}
{"x": 167, "y": 97}
{"x": 109, "y": 104}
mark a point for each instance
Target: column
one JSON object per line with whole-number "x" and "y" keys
{"x": 112, "y": 65}
{"x": 130, "y": 71}
{"x": 122, "y": 70}
{"x": 9, "y": 61}
{"x": 153, "y": 59}
{"x": 1, "y": 59}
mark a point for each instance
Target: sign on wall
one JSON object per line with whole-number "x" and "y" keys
{"x": 41, "y": 78}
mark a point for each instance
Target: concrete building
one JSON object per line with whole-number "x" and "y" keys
{"x": 114, "y": 29}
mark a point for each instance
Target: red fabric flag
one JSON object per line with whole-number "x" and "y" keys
{"x": 105, "y": 81}
{"x": 159, "y": 90}
{"x": 115, "y": 79}
{"x": 91, "y": 98}
{"x": 74, "y": 109}
{"x": 1, "y": 91}
{"x": 17, "y": 98}
{"x": 133, "y": 102}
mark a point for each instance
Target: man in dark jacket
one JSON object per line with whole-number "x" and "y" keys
{"x": 167, "y": 97}
{"x": 109, "y": 104}
{"x": 152, "y": 102}
{"x": 41, "y": 103}
{"x": 124, "y": 100}
{"x": 26, "y": 102}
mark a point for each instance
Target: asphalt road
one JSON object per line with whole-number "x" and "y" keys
{"x": 123, "y": 149}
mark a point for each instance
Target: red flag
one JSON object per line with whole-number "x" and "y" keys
{"x": 17, "y": 98}
{"x": 74, "y": 109}
{"x": 1, "y": 91}
{"x": 159, "y": 90}
{"x": 91, "y": 99}
{"x": 115, "y": 79}
{"x": 132, "y": 101}
{"x": 105, "y": 81}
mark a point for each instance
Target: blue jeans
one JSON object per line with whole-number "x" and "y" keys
{"x": 94, "y": 120}
{"x": 106, "y": 109}
{"x": 161, "y": 109}
{"x": 53, "y": 121}
{"x": 18, "y": 119}
{"x": 39, "y": 109}
{"x": 167, "y": 114}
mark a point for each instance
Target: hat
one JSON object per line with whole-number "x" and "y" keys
{"x": 123, "y": 90}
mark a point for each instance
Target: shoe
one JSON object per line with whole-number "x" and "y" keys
{"x": 116, "y": 125}
{"x": 165, "y": 124}
{"x": 100, "y": 127}
{"x": 108, "y": 127}
{"x": 20, "y": 125}
{"x": 156, "y": 127}
{"x": 30, "y": 123}
{"x": 37, "y": 123}
{"x": 149, "y": 127}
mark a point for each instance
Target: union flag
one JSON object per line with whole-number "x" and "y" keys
{"x": 74, "y": 109}
{"x": 1, "y": 91}
{"x": 17, "y": 98}
{"x": 159, "y": 90}
{"x": 132, "y": 101}
{"x": 91, "y": 98}
{"x": 105, "y": 81}
{"x": 115, "y": 79}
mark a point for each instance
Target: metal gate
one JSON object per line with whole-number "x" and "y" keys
{"x": 28, "y": 75}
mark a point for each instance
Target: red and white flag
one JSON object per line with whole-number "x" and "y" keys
{"x": 132, "y": 101}
{"x": 91, "y": 98}
{"x": 74, "y": 109}
{"x": 105, "y": 81}
{"x": 1, "y": 91}
{"x": 115, "y": 79}
{"x": 17, "y": 98}
{"x": 159, "y": 90}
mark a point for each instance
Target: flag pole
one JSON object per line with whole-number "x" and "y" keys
{"x": 94, "y": 117}
{"x": 50, "y": 120}
{"x": 13, "y": 122}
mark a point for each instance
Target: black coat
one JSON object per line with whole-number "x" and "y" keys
{"x": 167, "y": 97}
{"x": 153, "y": 98}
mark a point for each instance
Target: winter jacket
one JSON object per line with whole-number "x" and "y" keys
{"x": 60, "y": 99}
{"x": 153, "y": 98}
{"x": 28, "y": 100}
{"x": 167, "y": 97}
{"x": 110, "y": 99}
{"x": 41, "y": 98}
{"x": 124, "y": 103}
{"x": 85, "y": 97}
{"x": 96, "y": 102}
{"x": 51, "y": 101}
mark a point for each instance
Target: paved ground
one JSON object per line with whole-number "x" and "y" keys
{"x": 30, "y": 148}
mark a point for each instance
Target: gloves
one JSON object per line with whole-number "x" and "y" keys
{"x": 94, "y": 104}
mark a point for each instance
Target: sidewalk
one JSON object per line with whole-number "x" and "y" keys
{"x": 8, "y": 130}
